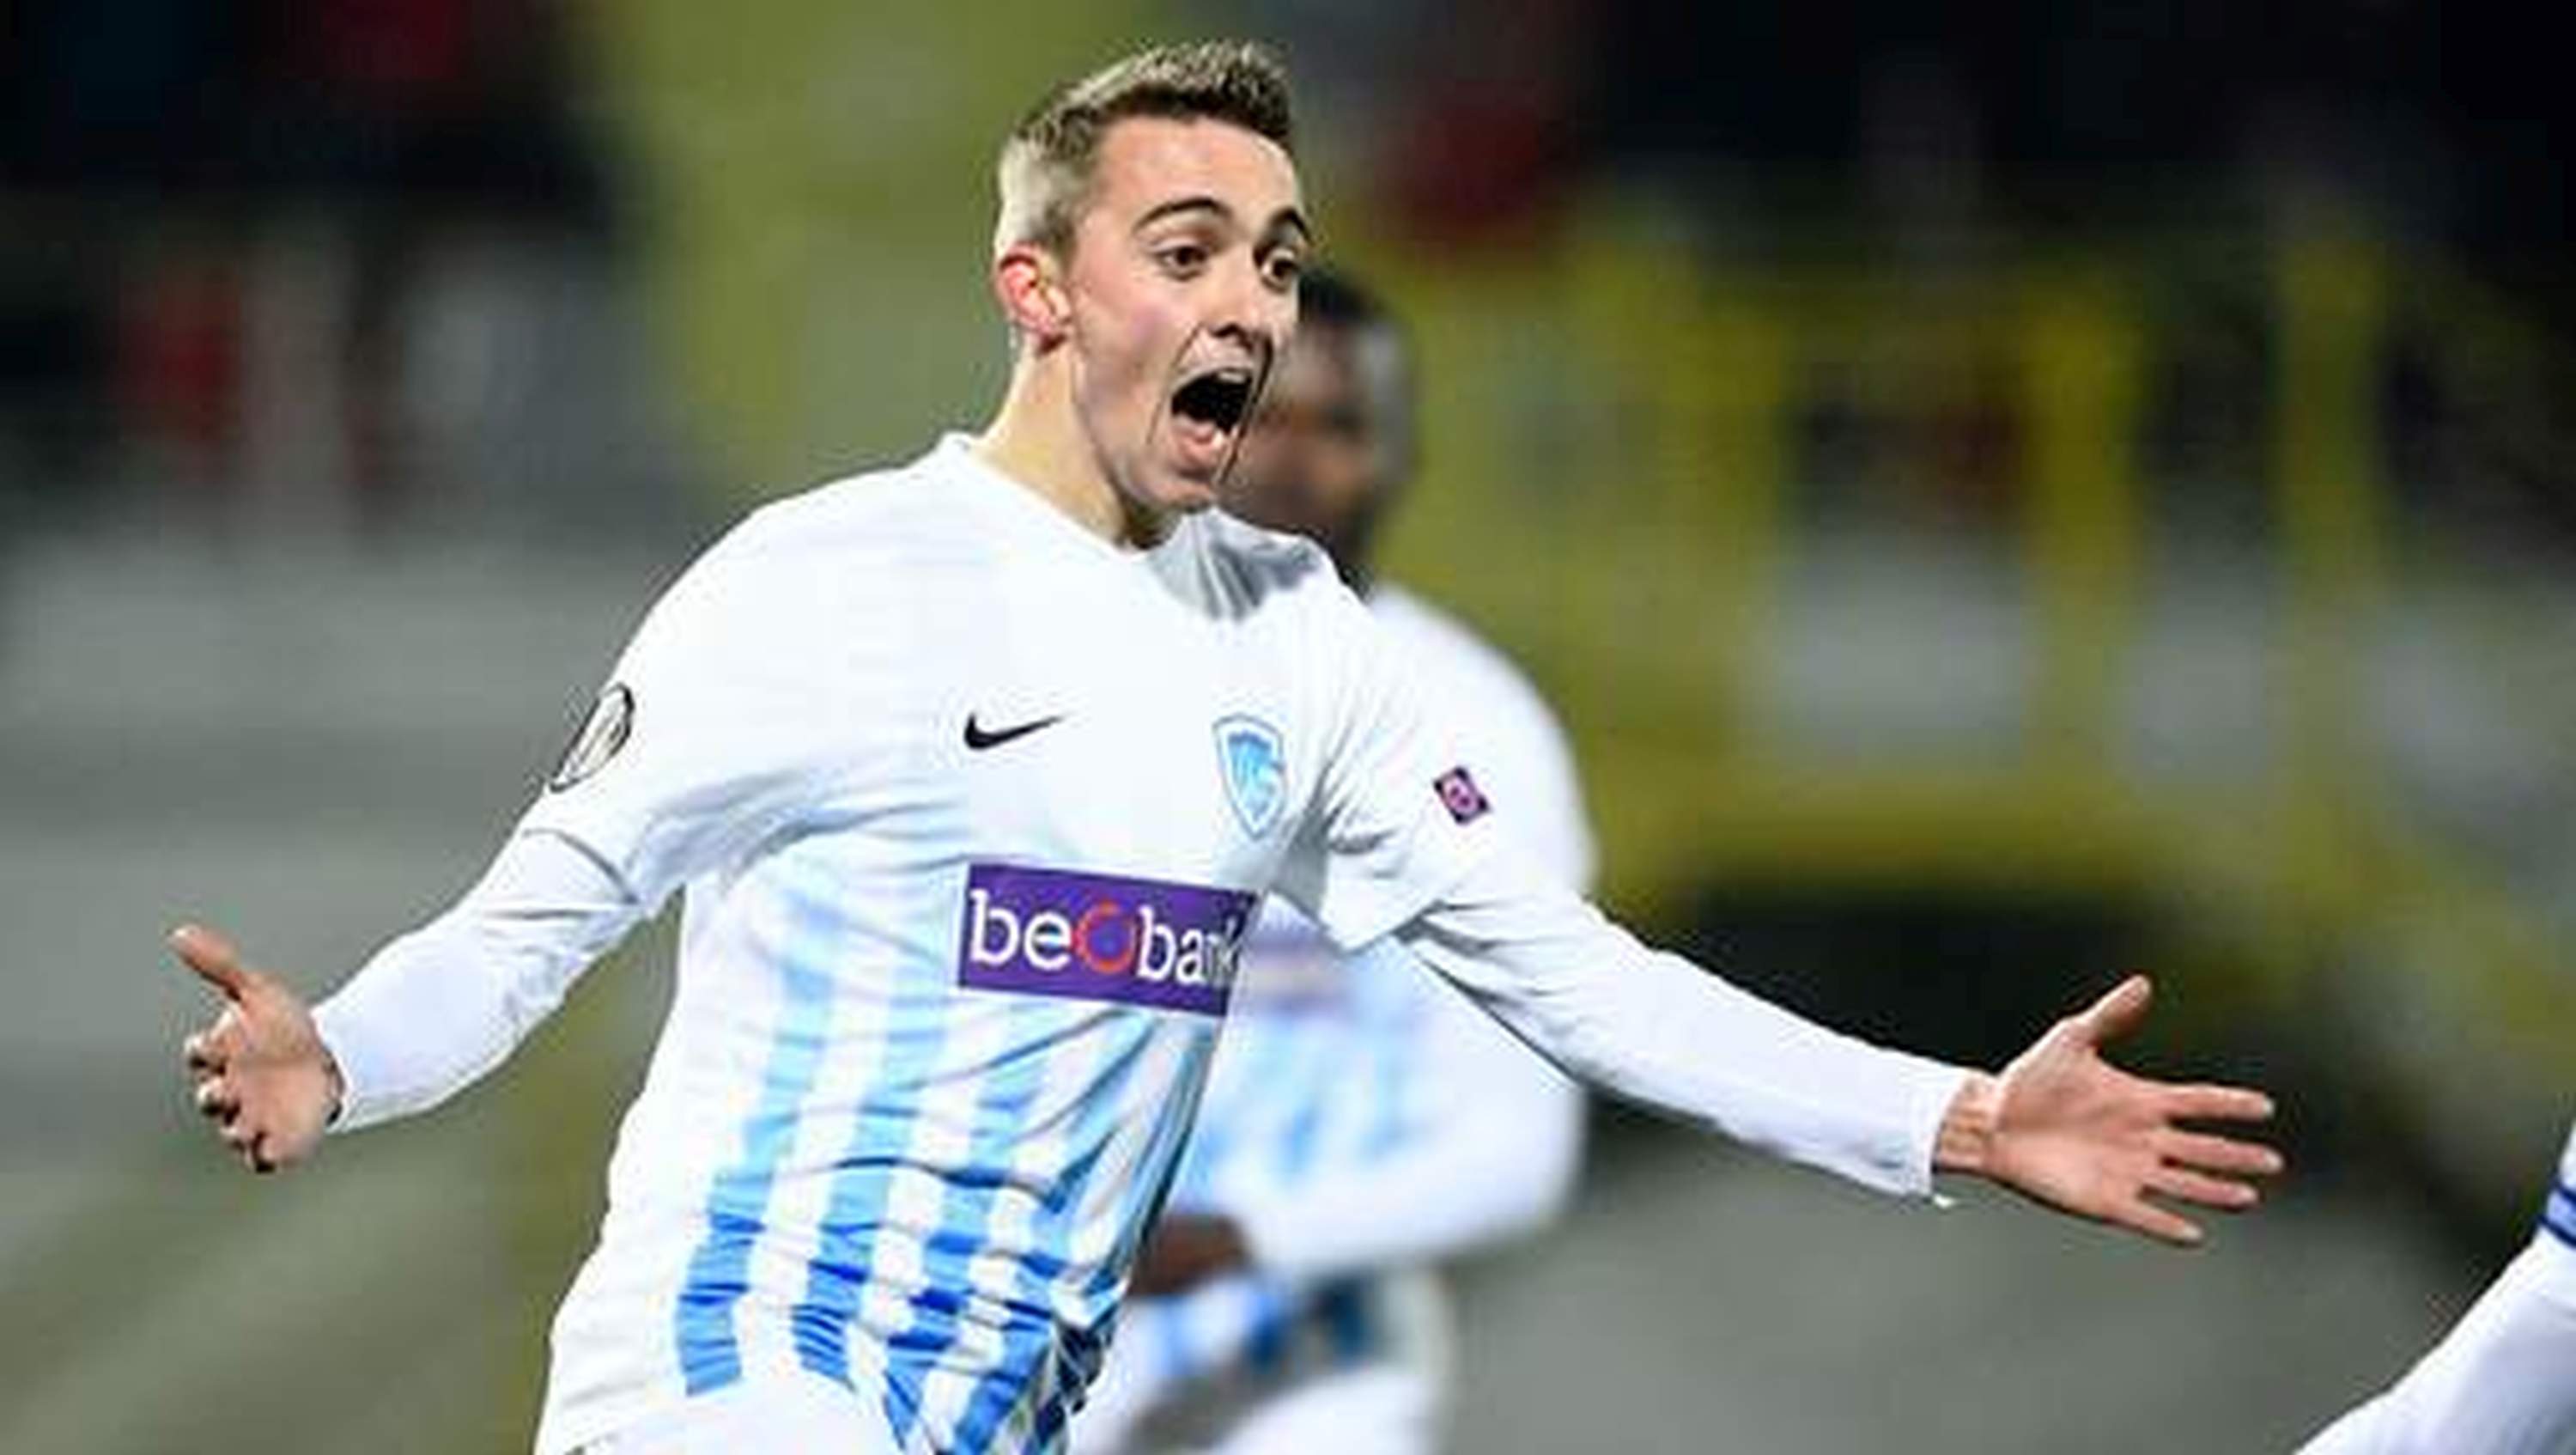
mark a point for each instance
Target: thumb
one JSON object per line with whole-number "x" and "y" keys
{"x": 213, "y": 958}
{"x": 2119, "y": 1011}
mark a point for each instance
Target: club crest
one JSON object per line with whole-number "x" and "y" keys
{"x": 1255, "y": 769}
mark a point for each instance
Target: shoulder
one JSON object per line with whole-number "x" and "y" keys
{"x": 1235, "y": 568}
{"x": 876, "y": 507}
{"x": 793, "y": 567}
{"x": 1502, "y": 721}
{"x": 834, "y": 533}
{"x": 1461, "y": 661}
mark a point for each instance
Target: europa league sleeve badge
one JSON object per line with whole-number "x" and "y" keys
{"x": 611, "y": 720}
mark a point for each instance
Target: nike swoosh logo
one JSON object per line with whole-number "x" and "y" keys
{"x": 977, "y": 739}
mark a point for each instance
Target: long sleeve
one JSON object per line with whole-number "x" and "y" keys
{"x": 1654, "y": 1028}
{"x": 2503, "y": 1381}
{"x": 715, "y": 729}
{"x": 438, "y": 1007}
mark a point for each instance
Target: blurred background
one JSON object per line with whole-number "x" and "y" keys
{"x": 1999, "y": 499}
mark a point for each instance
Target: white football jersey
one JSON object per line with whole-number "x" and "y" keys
{"x": 972, "y": 811}
{"x": 1344, "y": 1086}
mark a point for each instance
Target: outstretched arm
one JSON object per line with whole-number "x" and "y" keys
{"x": 1400, "y": 838}
{"x": 2059, "y": 1125}
{"x": 427, "y": 1015}
{"x": 714, "y": 731}
{"x": 1492, "y": 1156}
{"x": 2502, "y": 1382}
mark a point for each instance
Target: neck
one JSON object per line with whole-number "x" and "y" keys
{"x": 1036, "y": 438}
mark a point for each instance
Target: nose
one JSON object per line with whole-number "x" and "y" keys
{"x": 1254, "y": 314}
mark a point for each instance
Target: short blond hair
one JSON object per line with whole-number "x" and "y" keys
{"x": 1049, "y": 161}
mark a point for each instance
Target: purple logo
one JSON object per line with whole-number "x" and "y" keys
{"x": 1097, "y": 937}
{"x": 1459, "y": 794}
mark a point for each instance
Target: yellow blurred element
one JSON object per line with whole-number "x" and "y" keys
{"x": 1614, "y": 487}
{"x": 1625, "y": 432}
{"x": 816, "y": 184}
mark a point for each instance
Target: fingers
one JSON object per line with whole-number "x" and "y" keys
{"x": 2220, "y": 1154}
{"x": 2187, "y": 1176}
{"x": 2217, "y": 1103}
{"x": 2118, "y": 1011}
{"x": 210, "y": 1051}
{"x": 213, "y": 958}
{"x": 215, "y": 1098}
{"x": 249, "y": 1130}
{"x": 2161, "y": 1224}
{"x": 209, "y": 1054}
{"x": 2199, "y": 1187}
{"x": 251, "y": 1143}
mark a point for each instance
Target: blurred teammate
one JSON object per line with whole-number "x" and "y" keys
{"x": 973, "y": 772}
{"x": 1361, "y": 1119}
{"x": 2503, "y": 1381}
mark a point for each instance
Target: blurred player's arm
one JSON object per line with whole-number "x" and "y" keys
{"x": 1497, "y": 1159}
{"x": 2503, "y": 1381}
{"x": 1502, "y": 1137}
{"x": 1502, "y": 1140}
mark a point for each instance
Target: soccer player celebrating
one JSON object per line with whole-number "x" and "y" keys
{"x": 2503, "y": 1381}
{"x": 1361, "y": 1119}
{"x": 973, "y": 772}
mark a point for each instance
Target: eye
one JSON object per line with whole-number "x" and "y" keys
{"x": 1282, "y": 270}
{"x": 1182, "y": 259}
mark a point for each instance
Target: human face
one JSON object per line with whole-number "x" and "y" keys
{"x": 1181, "y": 291}
{"x": 1316, "y": 461}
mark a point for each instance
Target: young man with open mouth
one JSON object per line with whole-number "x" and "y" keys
{"x": 973, "y": 772}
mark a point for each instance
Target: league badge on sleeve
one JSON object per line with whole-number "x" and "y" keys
{"x": 611, "y": 718}
{"x": 1255, "y": 769}
{"x": 1459, "y": 794}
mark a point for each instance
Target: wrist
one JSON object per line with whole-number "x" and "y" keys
{"x": 333, "y": 1047}
{"x": 1965, "y": 1143}
{"x": 337, "y": 1088}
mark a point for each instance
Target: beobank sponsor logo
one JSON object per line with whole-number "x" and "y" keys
{"x": 1100, "y": 937}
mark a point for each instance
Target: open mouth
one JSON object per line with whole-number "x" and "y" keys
{"x": 1217, "y": 399}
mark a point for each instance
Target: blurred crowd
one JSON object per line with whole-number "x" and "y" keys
{"x": 343, "y": 258}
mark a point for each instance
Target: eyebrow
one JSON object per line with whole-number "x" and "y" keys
{"x": 1286, "y": 219}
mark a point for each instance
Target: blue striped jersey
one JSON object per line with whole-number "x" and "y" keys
{"x": 970, "y": 811}
{"x": 1337, "y": 1074}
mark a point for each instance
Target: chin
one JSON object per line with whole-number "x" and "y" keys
{"x": 1158, "y": 501}
{"x": 1183, "y": 495}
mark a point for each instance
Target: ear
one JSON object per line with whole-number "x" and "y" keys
{"x": 1030, "y": 286}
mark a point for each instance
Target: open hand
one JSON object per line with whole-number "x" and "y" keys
{"x": 262, "y": 1074}
{"x": 2070, "y": 1130}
